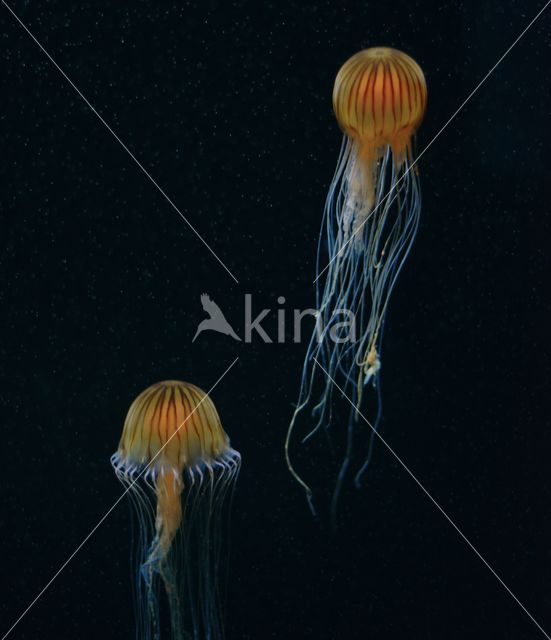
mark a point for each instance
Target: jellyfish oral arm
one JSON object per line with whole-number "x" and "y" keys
{"x": 169, "y": 511}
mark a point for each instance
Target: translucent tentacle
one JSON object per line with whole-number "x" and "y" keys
{"x": 370, "y": 221}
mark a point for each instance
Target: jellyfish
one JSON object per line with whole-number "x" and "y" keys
{"x": 370, "y": 220}
{"x": 177, "y": 466}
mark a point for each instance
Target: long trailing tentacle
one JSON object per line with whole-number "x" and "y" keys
{"x": 188, "y": 567}
{"x": 367, "y": 245}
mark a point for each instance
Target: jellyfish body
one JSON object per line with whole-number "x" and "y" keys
{"x": 370, "y": 220}
{"x": 176, "y": 463}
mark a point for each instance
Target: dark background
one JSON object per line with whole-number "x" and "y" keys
{"x": 228, "y": 106}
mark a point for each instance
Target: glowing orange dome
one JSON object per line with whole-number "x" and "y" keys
{"x": 379, "y": 98}
{"x": 177, "y": 416}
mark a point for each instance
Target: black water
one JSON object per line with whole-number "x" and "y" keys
{"x": 228, "y": 107}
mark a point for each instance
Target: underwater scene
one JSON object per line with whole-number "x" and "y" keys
{"x": 275, "y": 301}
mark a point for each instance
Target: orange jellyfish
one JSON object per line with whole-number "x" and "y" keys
{"x": 176, "y": 463}
{"x": 370, "y": 220}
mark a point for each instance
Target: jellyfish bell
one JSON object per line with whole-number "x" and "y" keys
{"x": 177, "y": 464}
{"x": 370, "y": 220}
{"x": 379, "y": 100}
